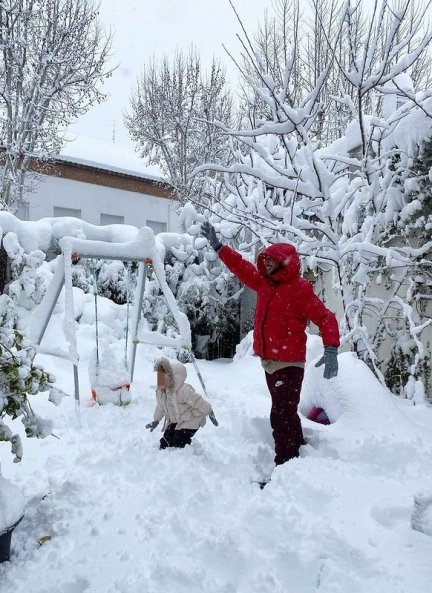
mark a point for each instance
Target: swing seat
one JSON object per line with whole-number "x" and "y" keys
{"x": 318, "y": 415}
{"x": 118, "y": 395}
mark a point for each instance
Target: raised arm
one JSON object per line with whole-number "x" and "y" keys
{"x": 245, "y": 271}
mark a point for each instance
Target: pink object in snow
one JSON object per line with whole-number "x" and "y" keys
{"x": 318, "y": 415}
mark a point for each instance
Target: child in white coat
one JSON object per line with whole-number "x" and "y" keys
{"x": 182, "y": 407}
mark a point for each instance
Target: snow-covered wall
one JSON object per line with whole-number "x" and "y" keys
{"x": 100, "y": 183}
{"x": 93, "y": 200}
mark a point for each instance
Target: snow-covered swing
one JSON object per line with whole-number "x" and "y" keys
{"x": 141, "y": 249}
{"x": 109, "y": 376}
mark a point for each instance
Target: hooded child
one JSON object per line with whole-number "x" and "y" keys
{"x": 183, "y": 409}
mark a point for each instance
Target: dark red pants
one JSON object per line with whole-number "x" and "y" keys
{"x": 285, "y": 386}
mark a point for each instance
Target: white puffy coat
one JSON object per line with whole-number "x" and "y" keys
{"x": 179, "y": 403}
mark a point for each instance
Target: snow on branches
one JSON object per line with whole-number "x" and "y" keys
{"x": 346, "y": 205}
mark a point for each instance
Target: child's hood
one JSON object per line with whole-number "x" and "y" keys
{"x": 176, "y": 372}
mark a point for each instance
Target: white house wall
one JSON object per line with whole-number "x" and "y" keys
{"x": 93, "y": 200}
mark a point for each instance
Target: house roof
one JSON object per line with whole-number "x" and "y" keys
{"x": 115, "y": 158}
{"x": 102, "y": 163}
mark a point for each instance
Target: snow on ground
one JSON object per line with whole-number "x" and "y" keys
{"x": 125, "y": 517}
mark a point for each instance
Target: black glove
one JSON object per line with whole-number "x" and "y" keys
{"x": 207, "y": 230}
{"x": 213, "y": 418}
{"x": 330, "y": 362}
{"x": 152, "y": 425}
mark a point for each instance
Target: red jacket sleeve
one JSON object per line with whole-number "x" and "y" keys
{"x": 315, "y": 310}
{"x": 243, "y": 269}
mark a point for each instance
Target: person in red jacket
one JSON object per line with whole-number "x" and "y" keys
{"x": 285, "y": 304}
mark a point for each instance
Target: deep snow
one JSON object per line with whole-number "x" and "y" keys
{"x": 125, "y": 517}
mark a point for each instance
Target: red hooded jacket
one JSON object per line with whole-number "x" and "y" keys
{"x": 285, "y": 304}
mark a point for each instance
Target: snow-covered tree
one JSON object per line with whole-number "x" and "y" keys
{"x": 171, "y": 112}
{"x": 298, "y": 44}
{"x": 342, "y": 205}
{"x": 53, "y": 56}
{"x": 293, "y": 44}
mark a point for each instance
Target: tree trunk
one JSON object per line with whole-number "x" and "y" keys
{"x": 4, "y": 269}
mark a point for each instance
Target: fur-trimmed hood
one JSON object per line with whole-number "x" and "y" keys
{"x": 176, "y": 372}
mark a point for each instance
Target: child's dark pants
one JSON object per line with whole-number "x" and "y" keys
{"x": 176, "y": 438}
{"x": 285, "y": 386}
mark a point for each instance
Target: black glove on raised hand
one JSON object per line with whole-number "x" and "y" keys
{"x": 152, "y": 425}
{"x": 330, "y": 362}
{"x": 207, "y": 230}
{"x": 213, "y": 418}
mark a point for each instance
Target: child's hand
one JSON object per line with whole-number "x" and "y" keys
{"x": 213, "y": 418}
{"x": 152, "y": 425}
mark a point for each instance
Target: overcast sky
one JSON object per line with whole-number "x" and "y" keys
{"x": 145, "y": 28}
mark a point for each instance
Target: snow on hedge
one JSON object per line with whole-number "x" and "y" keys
{"x": 11, "y": 504}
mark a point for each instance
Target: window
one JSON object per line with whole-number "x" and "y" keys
{"x": 23, "y": 211}
{"x": 157, "y": 227}
{"x": 111, "y": 219}
{"x": 58, "y": 211}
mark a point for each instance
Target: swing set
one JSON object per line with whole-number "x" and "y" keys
{"x": 142, "y": 250}
{"x": 117, "y": 391}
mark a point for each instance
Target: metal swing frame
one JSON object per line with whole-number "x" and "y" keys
{"x": 88, "y": 249}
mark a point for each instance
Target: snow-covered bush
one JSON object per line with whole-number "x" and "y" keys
{"x": 417, "y": 186}
{"x": 204, "y": 292}
{"x": 29, "y": 278}
{"x": 211, "y": 312}
{"x": 11, "y": 504}
{"x": 115, "y": 280}
{"x": 20, "y": 378}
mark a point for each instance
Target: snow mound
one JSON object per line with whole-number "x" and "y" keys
{"x": 11, "y": 504}
{"x": 363, "y": 415}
